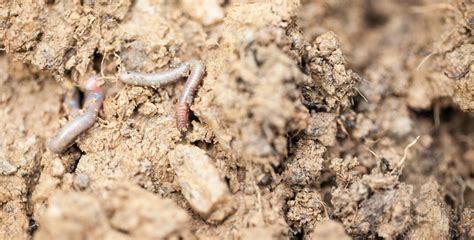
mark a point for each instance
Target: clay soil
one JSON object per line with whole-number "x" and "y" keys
{"x": 316, "y": 119}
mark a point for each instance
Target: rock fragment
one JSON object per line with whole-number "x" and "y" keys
{"x": 200, "y": 183}
{"x": 6, "y": 168}
{"x": 207, "y": 11}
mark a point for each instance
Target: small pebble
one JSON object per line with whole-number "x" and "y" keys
{"x": 6, "y": 168}
{"x": 201, "y": 184}
{"x": 57, "y": 168}
{"x": 402, "y": 126}
{"x": 81, "y": 181}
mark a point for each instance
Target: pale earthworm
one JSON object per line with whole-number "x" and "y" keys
{"x": 94, "y": 96}
{"x": 154, "y": 79}
{"x": 194, "y": 69}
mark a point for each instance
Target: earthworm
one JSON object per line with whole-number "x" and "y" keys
{"x": 187, "y": 96}
{"x": 94, "y": 96}
{"x": 154, "y": 79}
{"x": 158, "y": 79}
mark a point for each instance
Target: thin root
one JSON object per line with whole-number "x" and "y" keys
{"x": 402, "y": 161}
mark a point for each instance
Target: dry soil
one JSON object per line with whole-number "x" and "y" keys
{"x": 316, "y": 119}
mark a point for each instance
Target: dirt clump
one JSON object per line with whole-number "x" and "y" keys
{"x": 377, "y": 205}
{"x": 123, "y": 209}
{"x": 306, "y": 210}
{"x": 430, "y": 206}
{"x": 251, "y": 105}
{"x": 60, "y": 36}
{"x": 466, "y": 225}
{"x": 302, "y": 169}
{"x": 330, "y": 230}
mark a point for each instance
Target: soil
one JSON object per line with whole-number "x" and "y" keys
{"x": 332, "y": 119}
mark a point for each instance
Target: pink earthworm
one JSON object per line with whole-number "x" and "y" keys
{"x": 187, "y": 96}
{"x": 94, "y": 96}
{"x": 158, "y": 79}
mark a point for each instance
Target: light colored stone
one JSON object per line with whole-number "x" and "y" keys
{"x": 208, "y": 11}
{"x": 57, "y": 168}
{"x": 81, "y": 181}
{"x": 6, "y": 168}
{"x": 200, "y": 183}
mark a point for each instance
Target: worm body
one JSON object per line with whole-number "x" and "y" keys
{"x": 195, "y": 71}
{"x": 94, "y": 96}
{"x": 187, "y": 96}
{"x": 154, "y": 79}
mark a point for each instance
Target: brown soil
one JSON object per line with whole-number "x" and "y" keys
{"x": 332, "y": 119}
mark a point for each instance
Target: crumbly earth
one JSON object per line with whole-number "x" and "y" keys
{"x": 316, "y": 119}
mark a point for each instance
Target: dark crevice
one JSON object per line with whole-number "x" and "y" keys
{"x": 453, "y": 223}
{"x": 373, "y": 19}
{"x": 225, "y": 3}
{"x": 296, "y": 235}
{"x": 192, "y": 118}
{"x": 71, "y": 52}
{"x": 203, "y": 145}
{"x": 279, "y": 168}
{"x": 97, "y": 61}
{"x": 32, "y": 226}
{"x": 72, "y": 168}
{"x": 31, "y": 180}
{"x": 88, "y": 2}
